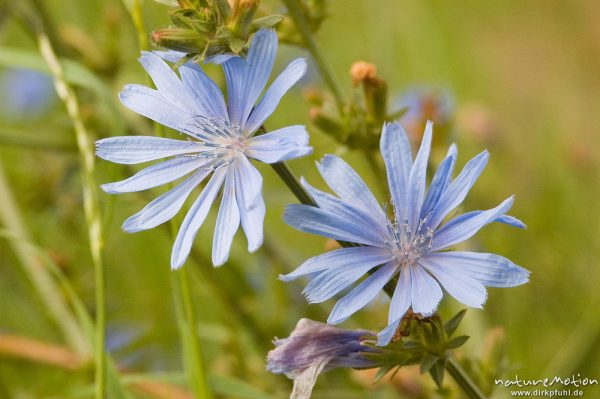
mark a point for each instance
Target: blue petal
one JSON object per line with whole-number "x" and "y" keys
{"x": 194, "y": 219}
{"x": 318, "y": 221}
{"x": 294, "y": 71}
{"x": 171, "y": 55}
{"x": 138, "y": 149}
{"x": 465, "y": 226}
{"x": 152, "y": 104}
{"x": 156, "y": 175}
{"x": 489, "y": 269}
{"x": 395, "y": 149}
{"x": 340, "y": 259}
{"x": 511, "y": 221}
{"x": 362, "y": 294}
{"x": 167, "y": 82}
{"x": 439, "y": 183}
{"x": 329, "y": 282}
{"x": 205, "y": 92}
{"x": 426, "y": 293}
{"x": 164, "y": 207}
{"x": 246, "y": 79}
{"x": 359, "y": 216}
{"x": 418, "y": 173}
{"x": 458, "y": 189}
{"x": 349, "y": 186}
{"x": 218, "y": 59}
{"x": 248, "y": 189}
{"x": 279, "y": 145}
{"x": 228, "y": 221}
{"x": 401, "y": 299}
{"x": 385, "y": 336}
{"x": 465, "y": 289}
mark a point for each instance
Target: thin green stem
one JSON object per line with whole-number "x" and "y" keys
{"x": 90, "y": 200}
{"x": 294, "y": 8}
{"x": 291, "y": 181}
{"x": 135, "y": 10}
{"x": 198, "y": 374}
{"x": 463, "y": 380}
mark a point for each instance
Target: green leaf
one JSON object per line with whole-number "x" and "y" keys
{"x": 224, "y": 9}
{"x": 266, "y": 22}
{"x": 427, "y": 362}
{"x": 437, "y": 373}
{"x": 381, "y": 373}
{"x": 236, "y": 45}
{"x": 457, "y": 342}
{"x": 452, "y": 324}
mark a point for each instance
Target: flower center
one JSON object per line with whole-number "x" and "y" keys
{"x": 224, "y": 140}
{"x": 408, "y": 246}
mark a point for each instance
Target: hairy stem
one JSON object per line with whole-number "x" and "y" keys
{"x": 90, "y": 201}
{"x": 463, "y": 380}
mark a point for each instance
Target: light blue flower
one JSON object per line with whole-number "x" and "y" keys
{"x": 221, "y": 139}
{"x": 27, "y": 94}
{"x": 412, "y": 245}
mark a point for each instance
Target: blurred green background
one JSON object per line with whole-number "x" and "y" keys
{"x": 524, "y": 83}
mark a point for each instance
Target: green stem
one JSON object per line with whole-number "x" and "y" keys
{"x": 291, "y": 181}
{"x": 198, "y": 374}
{"x": 90, "y": 200}
{"x": 294, "y": 8}
{"x": 463, "y": 380}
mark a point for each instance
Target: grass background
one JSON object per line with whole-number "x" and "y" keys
{"x": 525, "y": 71}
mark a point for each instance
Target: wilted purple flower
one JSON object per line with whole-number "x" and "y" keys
{"x": 221, "y": 141}
{"x": 412, "y": 245}
{"x": 315, "y": 347}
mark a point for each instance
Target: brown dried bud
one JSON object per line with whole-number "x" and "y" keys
{"x": 361, "y": 71}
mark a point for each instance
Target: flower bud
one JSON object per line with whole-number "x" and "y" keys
{"x": 179, "y": 39}
{"x": 361, "y": 71}
{"x": 241, "y": 17}
{"x": 375, "y": 90}
{"x": 313, "y": 96}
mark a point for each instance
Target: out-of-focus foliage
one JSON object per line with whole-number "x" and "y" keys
{"x": 523, "y": 77}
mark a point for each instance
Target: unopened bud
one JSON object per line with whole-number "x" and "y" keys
{"x": 180, "y": 39}
{"x": 313, "y": 96}
{"x": 375, "y": 89}
{"x": 361, "y": 71}
{"x": 242, "y": 14}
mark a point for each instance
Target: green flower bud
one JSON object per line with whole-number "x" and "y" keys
{"x": 180, "y": 39}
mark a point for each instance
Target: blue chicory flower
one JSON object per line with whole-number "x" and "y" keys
{"x": 412, "y": 244}
{"x": 221, "y": 139}
{"x": 315, "y": 347}
{"x": 27, "y": 94}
